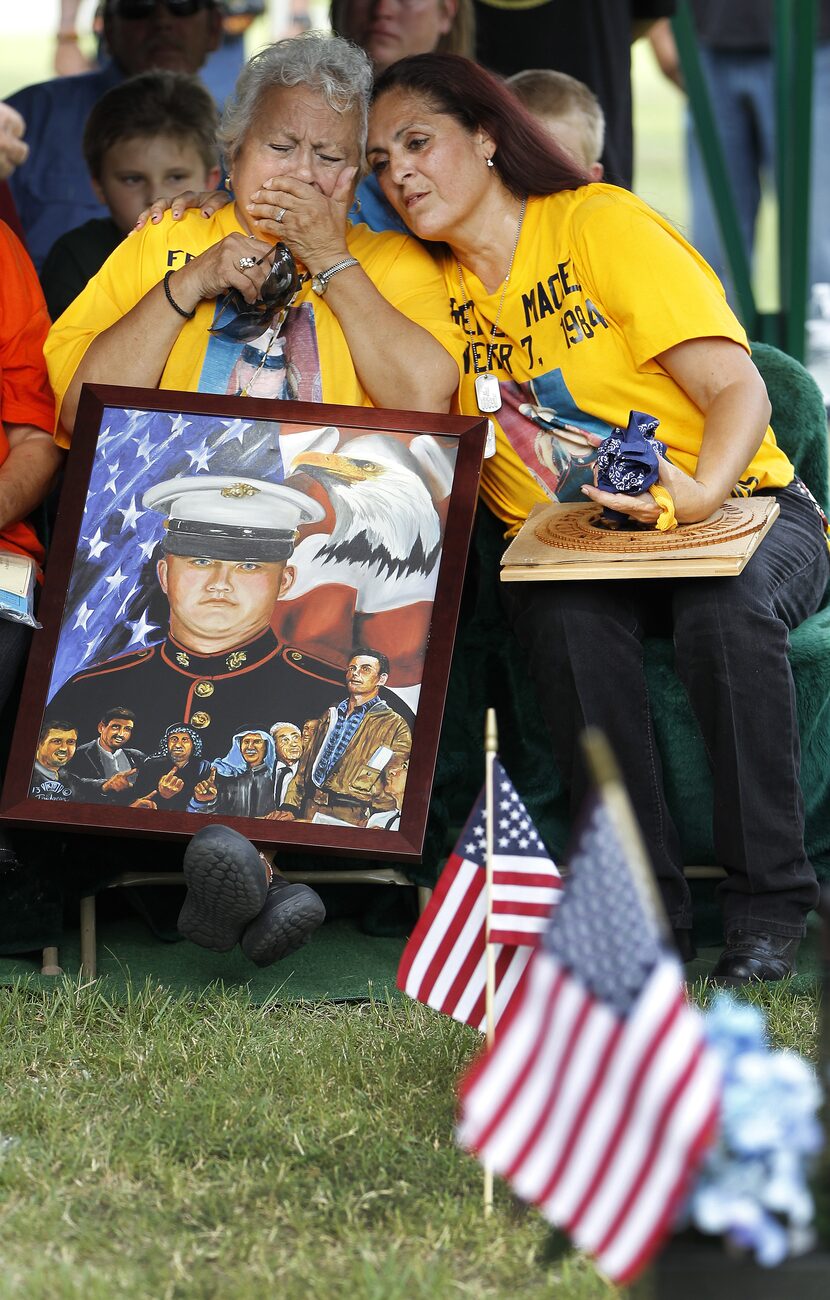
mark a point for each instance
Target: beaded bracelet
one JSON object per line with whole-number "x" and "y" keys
{"x": 188, "y": 315}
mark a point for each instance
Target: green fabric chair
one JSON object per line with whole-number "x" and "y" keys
{"x": 489, "y": 671}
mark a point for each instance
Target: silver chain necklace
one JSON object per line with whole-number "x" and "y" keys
{"x": 488, "y": 395}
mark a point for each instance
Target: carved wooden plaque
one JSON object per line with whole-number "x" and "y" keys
{"x": 565, "y": 541}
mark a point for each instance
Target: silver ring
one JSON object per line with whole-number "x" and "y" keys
{"x": 246, "y": 262}
{"x": 281, "y": 215}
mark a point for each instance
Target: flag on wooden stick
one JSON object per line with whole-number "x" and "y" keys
{"x": 443, "y": 963}
{"x": 600, "y": 1095}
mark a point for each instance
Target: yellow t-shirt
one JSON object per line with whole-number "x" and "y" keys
{"x": 310, "y": 361}
{"x": 600, "y": 286}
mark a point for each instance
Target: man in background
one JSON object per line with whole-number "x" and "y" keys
{"x": 51, "y": 189}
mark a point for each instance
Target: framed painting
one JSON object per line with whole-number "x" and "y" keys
{"x": 248, "y": 615}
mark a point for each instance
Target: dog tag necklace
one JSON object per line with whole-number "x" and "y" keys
{"x": 488, "y": 394}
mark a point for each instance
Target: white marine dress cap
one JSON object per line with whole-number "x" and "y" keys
{"x": 231, "y": 517}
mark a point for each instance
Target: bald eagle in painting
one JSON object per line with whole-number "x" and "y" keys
{"x": 385, "y": 516}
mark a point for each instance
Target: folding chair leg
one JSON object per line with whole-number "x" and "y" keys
{"x": 89, "y": 961}
{"x": 50, "y": 962}
{"x": 424, "y": 895}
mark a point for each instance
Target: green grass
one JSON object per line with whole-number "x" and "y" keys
{"x": 792, "y": 1019}
{"x": 169, "y": 1147}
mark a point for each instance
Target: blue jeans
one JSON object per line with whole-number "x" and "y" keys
{"x": 584, "y": 644}
{"x": 742, "y": 90}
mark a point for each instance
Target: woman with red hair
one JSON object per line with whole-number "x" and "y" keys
{"x": 581, "y": 305}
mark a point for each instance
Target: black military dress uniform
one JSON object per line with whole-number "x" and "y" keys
{"x": 219, "y": 695}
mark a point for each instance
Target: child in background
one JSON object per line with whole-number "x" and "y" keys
{"x": 568, "y": 110}
{"x": 152, "y": 136}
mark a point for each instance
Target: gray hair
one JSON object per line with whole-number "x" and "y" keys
{"x": 337, "y": 69}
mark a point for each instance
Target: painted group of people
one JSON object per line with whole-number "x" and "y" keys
{"x": 347, "y": 767}
{"x": 524, "y": 283}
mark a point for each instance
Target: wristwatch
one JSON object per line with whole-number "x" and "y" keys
{"x": 320, "y": 283}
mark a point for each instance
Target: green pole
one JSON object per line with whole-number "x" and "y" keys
{"x": 782, "y": 44}
{"x": 796, "y": 23}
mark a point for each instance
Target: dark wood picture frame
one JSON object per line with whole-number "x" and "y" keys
{"x": 405, "y": 844}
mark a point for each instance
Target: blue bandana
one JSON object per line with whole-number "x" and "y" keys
{"x": 629, "y": 460}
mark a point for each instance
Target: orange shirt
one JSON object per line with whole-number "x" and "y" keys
{"x": 25, "y": 395}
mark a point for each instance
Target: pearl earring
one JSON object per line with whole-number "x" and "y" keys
{"x": 490, "y": 162}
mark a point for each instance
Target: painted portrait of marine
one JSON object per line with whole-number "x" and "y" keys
{"x": 224, "y": 564}
{"x": 234, "y": 573}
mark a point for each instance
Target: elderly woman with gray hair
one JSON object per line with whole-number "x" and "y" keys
{"x": 199, "y": 304}
{"x": 215, "y": 304}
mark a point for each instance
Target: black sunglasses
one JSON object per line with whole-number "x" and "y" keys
{"x": 279, "y": 289}
{"x": 145, "y": 8}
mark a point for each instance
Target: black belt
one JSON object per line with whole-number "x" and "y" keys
{"x": 325, "y": 800}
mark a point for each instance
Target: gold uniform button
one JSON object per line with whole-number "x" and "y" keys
{"x": 201, "y": 720}
{"x": 204, "y": 690}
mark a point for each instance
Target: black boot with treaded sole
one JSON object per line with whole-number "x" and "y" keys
{"x": 226, "y": 887}
{"x": 287, "y": 921}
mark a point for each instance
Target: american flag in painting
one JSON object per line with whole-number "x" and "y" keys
{"x": 444, "y": 962}
{"x": 113, "y": 603}
{"x": 600, "y": 1095}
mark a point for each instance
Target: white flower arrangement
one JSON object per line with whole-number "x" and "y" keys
{"x": 752, "y": 1187}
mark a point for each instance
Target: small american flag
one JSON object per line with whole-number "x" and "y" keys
{"x": 600, "y": 1096}
{"x": 444, "y": 963}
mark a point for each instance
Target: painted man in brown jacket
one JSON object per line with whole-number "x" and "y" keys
{"x": 339, "y": 778}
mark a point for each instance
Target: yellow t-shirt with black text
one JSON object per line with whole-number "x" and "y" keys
{"x": 601, "y": 285}
{"x": 313, "y": 355}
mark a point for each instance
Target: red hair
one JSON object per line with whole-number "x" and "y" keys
{"x": 526, "y": 158}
